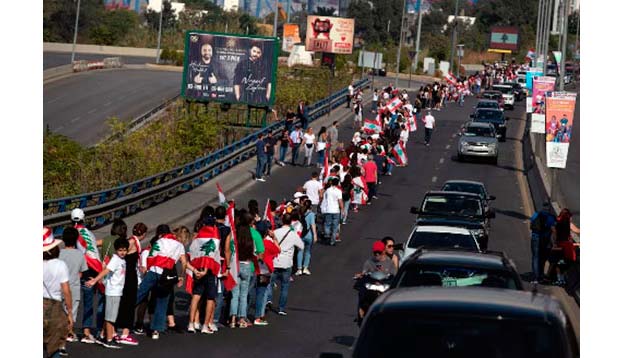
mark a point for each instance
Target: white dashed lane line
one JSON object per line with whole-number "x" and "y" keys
{"x": 108, "y": 103}
{"x": 434, "y": 179}
{"x": 447, "y": 146}
{"x": 441, "y": 160}
{"x": 75, "y": 119}
{"x": 92, "y": 111}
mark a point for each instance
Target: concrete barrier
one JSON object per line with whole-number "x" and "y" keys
{"x": 98, "y": 49}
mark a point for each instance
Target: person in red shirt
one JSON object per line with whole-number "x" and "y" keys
{"x": 271, "y": 250}
{"x": 370, "y": 176}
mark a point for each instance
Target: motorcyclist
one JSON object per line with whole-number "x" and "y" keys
{"x": 380, "y": 262}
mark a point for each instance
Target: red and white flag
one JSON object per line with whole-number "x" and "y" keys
{"x": 204, "y": 254}
{"x": 394, "y": 105}
{"x": 268, "y": 214}
{"x": 87, "y": 244}
{"x": 232, "y": 279}
{"x": 411, "y": 122}
{"x": 372, "y": 126}
{"x": 222, "y": 200}
{"x": 325, "y": 172}
{"x": 360, "y": 191}
{"x": 165, "y": 252}
{"x": 399, "y": 153}
{"x": 450, "y": 78}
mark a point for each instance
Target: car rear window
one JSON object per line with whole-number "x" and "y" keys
{"x": 442, "y": 240}
{"x": 474, "y": 131}
{"x": 454, "y": 276}
{"x": 489, "y": 116}
{"x": 462, "y": 205}
{"x": 407, "y": 333}
{"x": 465, "y": 187}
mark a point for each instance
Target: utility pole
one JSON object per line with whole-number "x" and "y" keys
{"x": 546, "y": 43}
{"x": 418, "y": 33}
{"x": 75, "y": 33}
{"x": 162, "y": 6}
{"x": 396, "y": 80}
{"x": 275, "y": 19}
{"x": 564, "y": 44}
{"x": 453, "y": 36}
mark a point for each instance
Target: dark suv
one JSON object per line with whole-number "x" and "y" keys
{"x": 457, "y": 268}
{"x": 452, "y": 208}
{"x": 494, "y": 116}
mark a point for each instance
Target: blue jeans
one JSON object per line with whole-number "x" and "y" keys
{"x": 150, "y": 283}
{"x": 282, "y": 153}
{"x": 238, "y": 306}
{"x": 303, "y": 256}
{"x": 219, "y": 301}
{"x": 269, "y": 162}
{"x": 260, "y": 166}
{"x": 295, "y": 153}
{"x": 374, "y": 106}
{"x": 332, "y": 224}
{"x": 261, "y": 299}
{"x": 321, "y": 157}
{"x": 538, "y": 272}
{"x": 345, "y": 211}
{"x": 283, "y": 277}
{"x": 389, "y": 168}
{"x": 87, "y": 314}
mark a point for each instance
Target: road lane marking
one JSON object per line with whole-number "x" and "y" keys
{"x": 92, "y": 111}
{"x": 441, "y": 160}
{"x": 447, "y": 146}
{"x": 59, "y": 128}
{"x": 75, "y": 119}
{"x": 108, "y": 103}
{"x": 434, "y": 179}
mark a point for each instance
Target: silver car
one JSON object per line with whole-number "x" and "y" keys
{"x": 478, "y": 139}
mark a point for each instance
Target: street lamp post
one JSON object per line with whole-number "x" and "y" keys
{"x": 75, "y": 33}
{"x": 162, "y": 6}
{"x": 453, "y": 36}
{"x": 275, "y": 19}
{"x": 564, "y": 45}
{"x": 396, "y": 80}
{"x": 460, "y": 54}
{"x": 418, "y": 34}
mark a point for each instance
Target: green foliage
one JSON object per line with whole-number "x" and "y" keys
{"x": 324, "y": 11}
{"x": 112, "y": 26}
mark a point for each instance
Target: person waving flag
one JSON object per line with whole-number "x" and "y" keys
{"x": 268, "y": 214}
{"x": 222, "y": 200}
{"x": 232, "y": 279}
{"x": 399, "y": 153}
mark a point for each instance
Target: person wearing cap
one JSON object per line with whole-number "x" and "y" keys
{"x": 380, "y": 261}
{"x": 542, "y": 227}
{"x": 56, "y": 321}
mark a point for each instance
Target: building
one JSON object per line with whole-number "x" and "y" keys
{"x": 138, "y": 6}
{"x": 156, "y": 5}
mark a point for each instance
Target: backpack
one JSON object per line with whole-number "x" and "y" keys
{"x": 306, "y": 227}
{"x": 539, "y": 224}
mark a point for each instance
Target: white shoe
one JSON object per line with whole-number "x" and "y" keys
{"x": 190, "y": 328}
{"x": 261, "y": 179}
{"x": 197, "y": 326}
{"x": 206, "y": 330}
{"x": 306, "y": 271}
{"x": 213, "y": 327}
{"x": 298, "y": 273}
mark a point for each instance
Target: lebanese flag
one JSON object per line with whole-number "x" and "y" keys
{"x": 360, "y": 191}
{"x": 325, "y": 172}
{"x": 399, "y": 153}
{"x": 450, "y": 78}
{"x": 271, "y": 250}
{"x": 164, "y": 253}
{"x": 268, "y": 215}
{"x": 87, "y": 244}
{"x": 222, "y": 200}
{"x": 371, "y": 126}
{"x": 394, "y": 105}
{"x": 530, "y": 54}
{"x": 204, "y": 250}
{"x": 411, "y": 123}
{"x": 232, "y": 278}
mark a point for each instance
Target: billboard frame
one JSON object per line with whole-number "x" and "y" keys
{"x": 276, "y": 51}
{"x": 504, "y": 29}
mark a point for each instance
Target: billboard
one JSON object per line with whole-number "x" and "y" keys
{"x": 559, "y": 121}
{"x": 541, "y": 85}
{"x": 291, "y": 37}
{"x": 370, "y": 59}
{"x": 230, "y": 68}
{"x": 329, "y": 34}
{"x": 504, "y": 38}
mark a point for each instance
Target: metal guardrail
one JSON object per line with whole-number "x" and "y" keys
{"x": 103, "y": 206}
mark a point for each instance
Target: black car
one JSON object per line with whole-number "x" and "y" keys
{"x": 517, "y": 89}
{"x": 496, "y": 117}
{"x": 457, "y": 268}
{"x": 466, "y": 322}
{"x": 495, "y": 96}
{"x": 469, "y": 186}
{"x": 450, "y": 208}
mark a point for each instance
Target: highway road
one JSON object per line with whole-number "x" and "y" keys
{"x": 55, "y": 59}
{"x": 78, "y": 106}
{"x": 321, "y": 307}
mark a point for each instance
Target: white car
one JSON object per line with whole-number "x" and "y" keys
{"x": 441, "y": 237}
{"x": 508, "y": 94}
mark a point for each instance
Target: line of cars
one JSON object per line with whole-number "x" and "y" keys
{"x": 452, "y": 297}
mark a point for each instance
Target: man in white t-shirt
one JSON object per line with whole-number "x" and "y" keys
{"x": 287, "y": 239}
{"x": 429, "y": 125}
{"x": 331, "y": 207}
{"x": 314, "y": 190}
{"x": 350, "y": 95}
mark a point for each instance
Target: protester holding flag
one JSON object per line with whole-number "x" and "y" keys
{"x": 357, "y": 117}
{"x": 271, "y": 250}
{"x": 400, "y": 154}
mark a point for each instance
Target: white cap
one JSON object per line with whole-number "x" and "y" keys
{"x": 77, "y": 214}
{"x": 298, "y": 195}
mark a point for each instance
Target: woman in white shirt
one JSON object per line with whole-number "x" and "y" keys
{"x": 309, "y": 139}
{"x": 321, "y": 144}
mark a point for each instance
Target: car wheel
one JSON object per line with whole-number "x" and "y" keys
{"x": 460, "y": 157}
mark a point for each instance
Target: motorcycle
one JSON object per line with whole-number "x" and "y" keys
{"x": 370, "y": 286}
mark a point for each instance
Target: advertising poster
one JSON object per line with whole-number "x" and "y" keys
{"x": 541, "y": 85}
{"x": 559, "y": 121}
{"x": 370, "y": 59}
{"x": 230, "y": 68}
{"x": 291, "y": 37}
{"x": 532, "y": 72}
{"x": 329, "y": 34}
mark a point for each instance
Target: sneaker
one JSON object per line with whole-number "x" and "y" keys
{"x": 232, "y": 324}
{"x": 139, "y": 331}
{"x": 375, "y": 197}
{"x": 306, "y": 271}
{"x": 206, "y": 330}
{"x": 100, "y": 340}
{"x": 111, "y": 344}
{"x": 197, "y": 326}
{"x": 213, "y": 327}
{"x": 338, "y": 239}
{"x": 88, "y": 339}
{"x": 63, "y": 352}
{"x": 242, "y": 324}
{"x": 260, "y": 322}
{"x": 190, "y": 328}
{"x": 261, "y": 179}
{"x": 298, "y": 273}
{"x": 282, "y": 313}
{"x": 127, "y": 340}
{"x": 155, "y": 335}
{"x": 71, "y": 338}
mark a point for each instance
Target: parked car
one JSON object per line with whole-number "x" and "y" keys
{"x": 457, "y": 268}
{"x": 495, "y": 117}
{"x": 465, "y": 322}
{"x": 509, "y": 98}
{"x": 477, "y": 139}
{"x": 438, "y": 237}
{"x": 458, "y": 209}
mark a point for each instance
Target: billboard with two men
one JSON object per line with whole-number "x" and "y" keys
{"x": 230, "y": 68}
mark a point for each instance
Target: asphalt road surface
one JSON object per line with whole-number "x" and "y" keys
{"x": 78, "y": 106}
{"x": 55, "y": 59}
{"x": 321, "y": 307}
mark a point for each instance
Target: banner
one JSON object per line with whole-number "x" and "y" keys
{"x": 560, "y": 118}
{"x": 230, "y": 68}
{"x": 541, "y": 85}
{"x": 291, "y": 37}
{"x": 370, "y": 59}
{"x": 532, "y": 72}
{"x": 329, "y": 34}
{"x": 504, "y": 38}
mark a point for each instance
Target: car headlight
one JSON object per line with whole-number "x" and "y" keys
{"x": 478, "y": 232}
{"x": 463, "y": 144}
{"x": 492, "y": 145}
{"x": 379, "y": 287}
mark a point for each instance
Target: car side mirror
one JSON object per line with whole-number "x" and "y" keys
{"x": 330, "y": 355}
{"x": 491, "y": 197}
{"x": 414, "y": 210}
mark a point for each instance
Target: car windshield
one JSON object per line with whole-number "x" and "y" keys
{"x": 453, "y": 276}
{"x": 466, "y": 188}
{"x": 487, "y": 104}
{"x": 489, "y": 116}
{"x": 474, "y": 131}
{"x": 442, "y": 240}
{"x": 444, "y": 335}
{"x": 460, "y": 205}
{"x": 504, "y": 89}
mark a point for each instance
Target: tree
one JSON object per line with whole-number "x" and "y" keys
{"x": 325, "y": 11}
{"x": 168, "y": 17}
{"x": 113, "y": 26}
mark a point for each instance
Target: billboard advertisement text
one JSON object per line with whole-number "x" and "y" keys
{"x": 559, "y": 121}
{"x": 329, "y": 34}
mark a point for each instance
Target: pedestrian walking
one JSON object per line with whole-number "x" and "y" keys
{"x": 261, "y": 157}
{"x": 429, "y": 125}
{"x": 321, "y": 147}
{"x": 270, "y": 142}
{"x": 76, "y": 265}
{"x": 296, "y": 137}
{"x": 370, "y": 176}
{"x": 314, "y": 190}
{"x": 357, "y": 115}
{"x": 375, "y": 101}
{"x": 302, "y": 114}
{"x": 309, "y": 139}
{"x": 308, "y": 236}
{"x": 332, "y": 135}
{"x": 284, "y": 141}
{"x": 331, "y": 207}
